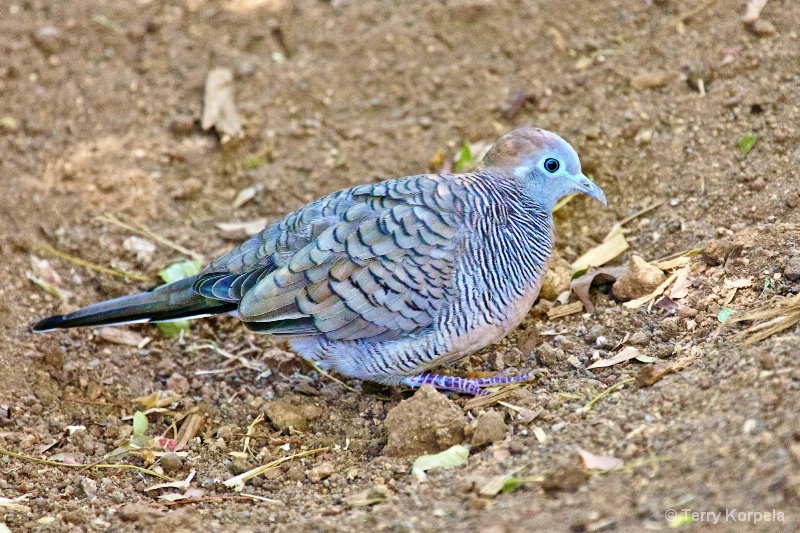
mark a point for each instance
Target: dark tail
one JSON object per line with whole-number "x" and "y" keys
{"x": 174, "y": 301}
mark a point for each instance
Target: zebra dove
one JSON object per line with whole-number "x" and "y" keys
{"x": 384, "y": 281}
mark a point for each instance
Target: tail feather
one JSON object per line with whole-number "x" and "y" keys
{"x": 174, "y": 301}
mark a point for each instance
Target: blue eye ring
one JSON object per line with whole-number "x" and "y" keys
{"x": 551, "y": 165}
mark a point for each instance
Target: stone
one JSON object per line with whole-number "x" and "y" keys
{"x": 640, "y": 279}
{"x": 171, "y": 463}
{"x": 792, "y": 269}
{"x": 490, "y": 427}
{"x": 556, "y": 279}
{"x": 284, "y": 415}
{"x": 428, "y": 422}
{"x": 715, "y": 252}
{"x": 565, "y": 477}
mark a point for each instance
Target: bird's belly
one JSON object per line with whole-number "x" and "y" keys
{"x": 483, "y": 334}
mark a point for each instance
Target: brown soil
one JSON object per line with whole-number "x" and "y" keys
{"x": 99, "y": 104}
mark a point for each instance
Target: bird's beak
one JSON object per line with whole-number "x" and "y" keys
{"x": 586, "y": 186}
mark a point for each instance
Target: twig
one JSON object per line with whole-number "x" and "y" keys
{"x": 634, "y": 216}
{"x": 89, "y": 265}
{"x": 588, "y": 407}
{"x": 141, "y": 229}
{"x": 237, "y": 482}
{"x": 340, "y": 382}
{"x": 249, "y": 497}
{"x": 90, "y": 466}
{"x": 695, "y": 11}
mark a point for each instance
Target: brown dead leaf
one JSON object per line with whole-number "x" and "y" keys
{"x": 624, "y": 355}
{"x": 249, "y": 227}
{"x": 614, "y": 245}
{"x": 122, "y": 336}
{"x": 160, "y": 398}
{"x": 599, "y": 462}
{"x": 580, "y": 286}
{"x": 682, "y": 284}
{"x": 651, "y": 374}
{"x": 738, "y": 283}
{"x": 219, "y": 110}
{"x": 653, "y": 80}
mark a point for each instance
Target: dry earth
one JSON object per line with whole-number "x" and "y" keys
{"x": 99, "y": 110}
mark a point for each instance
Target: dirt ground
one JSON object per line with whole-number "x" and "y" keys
{"x": 99, "y": 114}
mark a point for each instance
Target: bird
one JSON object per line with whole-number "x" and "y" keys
{"x": 386, "y": 281}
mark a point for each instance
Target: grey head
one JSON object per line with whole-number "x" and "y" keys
{"x": 545, "y": 164}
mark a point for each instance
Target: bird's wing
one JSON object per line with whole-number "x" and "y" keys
{"x": 375, "y": 261}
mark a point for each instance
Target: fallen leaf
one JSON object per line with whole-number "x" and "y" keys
{"x": 581, "y": 284}
{"x": 633, "y": 304}
{"x": 724, "y": 314}
{"x": 14, "y": 505}
{"x": 667, "y": 304}
{"x": 747, "y": 143}
{"x": 753, "y": 10}
{"x": 219, "y": 111}
{"x": 601, "y": 254}
{"x": 624, "y": 355}
{"x": 682, "y": 284}
{"x": 738, "y": 283}
{"x": 249, "y": 227}
{"x": 653, "y": 80}
{"x": 375, "y": 495}
{"x": 143, "y": 248}
{"x": 161, "y": 398}
{"x": 61, "y": 294}
{"x": 599, "y": 462}
{"x": 651, "y": 374}
{"x": 450, "y": 458}
{"x": 125, "y": 337}
{"x": 45, "y": 271}
{"x": 246, "y": 194}
{"x": 180, "y": 270}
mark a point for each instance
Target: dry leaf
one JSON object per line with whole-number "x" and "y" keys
{"x": 581, "y": 285}
{"x": 43, "y": 270}
{"x": 633, "y": 304}
{"x": 753, "y": 10}
{"x": 120, "y": 336}
{"x": 219, "y": 110}
{"x": 678, "y": 262}
{"x": 681, "y": 287}
{"x": 601, "y": 254}
{"x": 246, "y": 194}
{"x": 738, "y": 283}
{"x": 160, "y": 398}
{"x": 493, "y": 486}
{"x": 651, "y": 374}
{"x": 624, "y": 355}
{"x": 249, "y": 227}
{"x": 599, "y": 462}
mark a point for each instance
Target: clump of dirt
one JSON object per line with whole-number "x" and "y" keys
{"x": 688, "y": 108}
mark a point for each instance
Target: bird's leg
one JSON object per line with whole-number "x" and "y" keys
{"x": 463, "y": 385}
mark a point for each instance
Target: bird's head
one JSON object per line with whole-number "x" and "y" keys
{"x": 546, "y": 165}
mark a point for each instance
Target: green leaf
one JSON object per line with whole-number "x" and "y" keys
{"x": 173, "y": 329}
{"x": 512, "y": 483}
{"x": 747, "y": 143}
{"x": 724, "y": 314}
{"x": 139, "y": 423}
{"x": 181, "y": 270}
{"x": 579, "y": 273}
{"x": 450, "y": 458}
{"x": 680, "y": 519}
{"x": 465, "y": 161}
{"x": 642, "y": 358}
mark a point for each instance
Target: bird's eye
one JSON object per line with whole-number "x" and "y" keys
{"x": 551, "y": 165}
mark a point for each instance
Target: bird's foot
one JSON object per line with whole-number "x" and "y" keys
{"x": 464, "y": 385}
